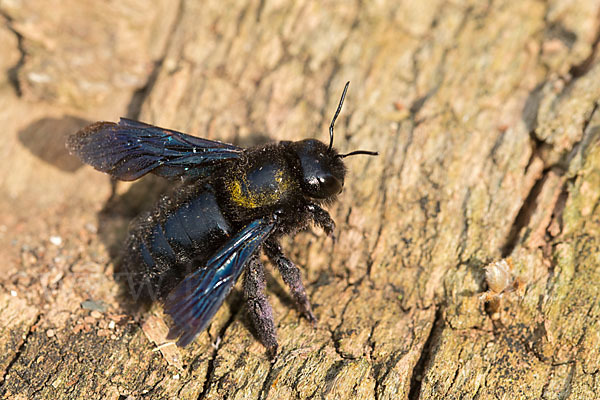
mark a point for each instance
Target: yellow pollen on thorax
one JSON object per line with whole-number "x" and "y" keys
{"x": 244, "y": 197}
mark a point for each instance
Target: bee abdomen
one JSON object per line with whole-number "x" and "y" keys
{"x": 166, "y": 245}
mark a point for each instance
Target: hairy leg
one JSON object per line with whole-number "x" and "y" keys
{"x": 259, "y": 309}
{"x": 291, "y": 276}
{"x": 322, "y": 219}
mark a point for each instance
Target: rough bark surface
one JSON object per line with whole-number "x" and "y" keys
{"x": 486, "y": 118}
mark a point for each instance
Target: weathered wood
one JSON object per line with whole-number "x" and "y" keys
{"x": 486, "y": 119}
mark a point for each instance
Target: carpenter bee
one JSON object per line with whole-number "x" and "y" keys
{"x": 191, "y": 249}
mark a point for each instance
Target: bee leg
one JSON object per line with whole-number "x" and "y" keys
{"x": 322, "y": 219}
{"x": 259, "y": 309}
{"x": 291, "y": 276}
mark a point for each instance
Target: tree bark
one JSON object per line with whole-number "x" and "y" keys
{"x": 486, "y": 118}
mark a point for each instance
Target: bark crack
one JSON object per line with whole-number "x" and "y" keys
{"x": 335, "y": 332}
{"x": 426, "y": 354}
{"x": 337, "y": 66}
{"x": 210, "y": 369}
{"x": 20, "y": 348}
{"x": 13, "y": 72}
{"x": 524, "y": 215}
{"x": 264, "y": 390}
{"x": 529, "y": 206}
{"x": 582, "y": 68}
{"x": 139, "y": 97}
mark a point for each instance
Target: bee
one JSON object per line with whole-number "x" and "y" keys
{"x": 192, "y": 248}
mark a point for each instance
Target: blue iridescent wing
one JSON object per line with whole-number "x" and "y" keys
{"x": 194, "y": 302}
{"x": 131, "y": 149}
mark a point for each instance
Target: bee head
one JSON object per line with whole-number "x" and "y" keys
{"x": 321, "y": 166}
{"x": 321, "y": 169}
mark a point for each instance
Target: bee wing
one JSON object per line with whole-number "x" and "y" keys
{"x": 131, "y": 149}
{"x": 194, "y": 302}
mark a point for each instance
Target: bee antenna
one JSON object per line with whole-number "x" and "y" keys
{"x": 336, "y": 115}
{"x": 353, "y": 153}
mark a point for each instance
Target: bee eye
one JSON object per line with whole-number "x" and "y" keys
{"x": 323, "y": 186}
{"x": 329, "y": 185}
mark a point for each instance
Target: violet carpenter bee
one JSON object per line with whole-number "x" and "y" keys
{"x": 191, "y": 249}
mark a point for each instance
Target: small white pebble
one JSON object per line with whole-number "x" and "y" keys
{"x": 498, "y": 276}
{"x": 170, "y": 64}
{"x": 50, "y": 332}
{"x": 13, "y": 293}
{"x": 176, "y": 376}
{"x": 91, "y": 228}
{"x": 56, "y": 240}
{"x": 37, "y": 77}
{"x": 111, "y": 325}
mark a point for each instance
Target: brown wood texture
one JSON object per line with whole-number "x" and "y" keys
{"x": 486, "y": 118}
